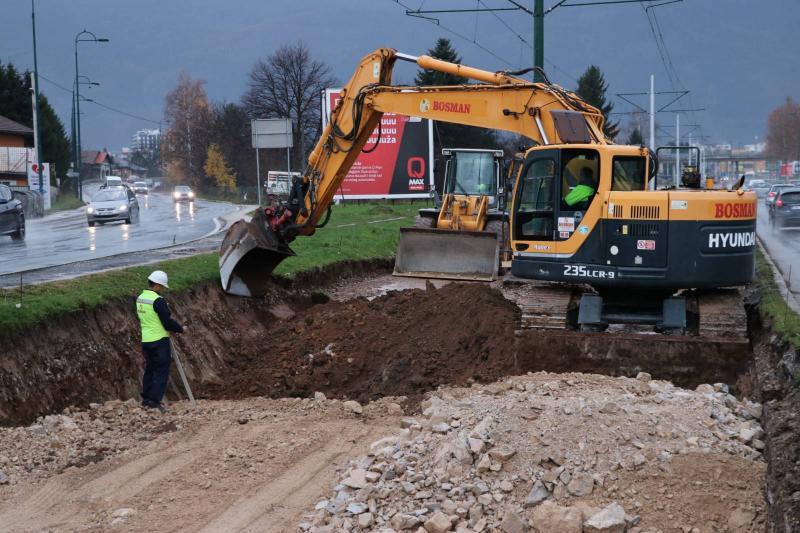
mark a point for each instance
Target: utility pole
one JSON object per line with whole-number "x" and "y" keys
{"x": 652, "y": 112}
{"x": 678, "y": 151}
{"x": 538, "y": 36}
{"x": 37, "y": 138}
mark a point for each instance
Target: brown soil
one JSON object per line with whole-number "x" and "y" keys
{"x": 781, "y": 398}
{"x": 402, "y": 343}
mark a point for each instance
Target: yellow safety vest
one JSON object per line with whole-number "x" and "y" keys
{"x": 152, "y": 328}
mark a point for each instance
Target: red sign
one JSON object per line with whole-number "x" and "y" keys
{"x": 401, "y": 166}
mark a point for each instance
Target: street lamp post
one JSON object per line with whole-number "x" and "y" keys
{"x": 75, "y": 153}
{"x": 92, "y": 38}
{"x": 36, "y": 119}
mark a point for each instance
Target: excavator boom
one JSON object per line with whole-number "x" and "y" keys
{"x": 543, "y": 112}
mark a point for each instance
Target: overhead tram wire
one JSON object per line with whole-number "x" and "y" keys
{"x": 435, "y": 21}
{"x": 104, "y": 106}
{"x": 666, "y": 57}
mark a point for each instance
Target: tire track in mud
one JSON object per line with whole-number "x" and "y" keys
{"x": 173, "y": 469}
{"x": 276, "y": 505}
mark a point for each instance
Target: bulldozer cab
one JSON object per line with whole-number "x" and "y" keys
{"x": 474, "y": 172}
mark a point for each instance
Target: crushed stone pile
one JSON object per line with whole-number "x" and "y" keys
{"x": 570, "y": 453}
{"x": 76, "y": 438}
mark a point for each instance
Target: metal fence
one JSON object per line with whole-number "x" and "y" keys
{"x": 32, "y": 201}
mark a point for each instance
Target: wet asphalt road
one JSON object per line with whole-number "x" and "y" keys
{"x": 783, "y": 247}
{"x": 66, "y": 237}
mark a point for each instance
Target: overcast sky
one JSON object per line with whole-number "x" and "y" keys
{"x": 739, "y": 58}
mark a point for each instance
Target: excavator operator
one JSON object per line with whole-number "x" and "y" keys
{"x": 587, "y": 184}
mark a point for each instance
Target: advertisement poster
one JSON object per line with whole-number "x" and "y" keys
{"x": 400, "y": 167}
{"x": 33, "y": 181}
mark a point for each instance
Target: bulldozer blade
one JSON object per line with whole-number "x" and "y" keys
{"x": 447, "y": 254}
{"x": 249, "y": 253}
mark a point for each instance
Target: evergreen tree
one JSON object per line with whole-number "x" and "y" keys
{"x": 451, "y": 135}
{"x": 15, "y": 104}
{"x": 635, "y": 138}
{"x": 592, "y": 88}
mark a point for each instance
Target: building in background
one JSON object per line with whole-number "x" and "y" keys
{"x": 16, "y": 151}
{"x": 96, "y": 164}
{"x": 146, "y": 141}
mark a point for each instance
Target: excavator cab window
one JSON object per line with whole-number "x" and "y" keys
{"x": 534, "y": 219}
{"x": 629, "y": 173}
{"x": 579, "y": 178}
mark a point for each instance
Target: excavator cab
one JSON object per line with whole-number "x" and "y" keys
{"x": 458, "y": 239}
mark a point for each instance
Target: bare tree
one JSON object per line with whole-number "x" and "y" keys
{"x": 783, "y": 132}
{"x": 288, "y": 84}
{"x": 189, "y": 116}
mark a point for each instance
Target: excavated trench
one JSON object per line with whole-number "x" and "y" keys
{"x": 297, "y": 341}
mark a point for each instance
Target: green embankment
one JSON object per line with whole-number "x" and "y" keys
{"x": 65, "y": 202}
{"x": 784, "y": 321}
{"x": 354, "y": 232}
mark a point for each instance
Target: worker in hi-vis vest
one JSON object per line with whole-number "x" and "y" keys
{"x": 156, "y": 322}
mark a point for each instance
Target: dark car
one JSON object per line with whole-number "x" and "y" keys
{"x": 773, "y": 193}
{"x": 786, "y": 209}
{"x": 12, "y": 219}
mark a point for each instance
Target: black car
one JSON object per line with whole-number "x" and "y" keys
{"x": 786, "y": 209}
{"x": 12, "y": 219}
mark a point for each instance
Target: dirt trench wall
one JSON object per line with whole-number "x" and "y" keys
{"x": 95, "y": 355}
{"x": 777, "y": 379}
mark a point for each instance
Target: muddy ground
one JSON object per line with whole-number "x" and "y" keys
{"x": 373, "y": 344}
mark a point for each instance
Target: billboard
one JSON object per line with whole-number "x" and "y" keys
{"x": 400, "y": 167}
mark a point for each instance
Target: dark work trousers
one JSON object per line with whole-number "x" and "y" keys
{"x": 157, "y": 360}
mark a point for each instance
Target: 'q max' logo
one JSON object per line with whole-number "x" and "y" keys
{"x": 416, "y": 173}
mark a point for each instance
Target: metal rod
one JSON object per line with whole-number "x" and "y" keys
{"x": 475, "y": 10}
{"x": 541, "y": 130}
{"x": 179, "y": 365}
{"x": 258, "y": 179}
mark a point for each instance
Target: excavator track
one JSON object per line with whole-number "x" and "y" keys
{"x": 541, "y": 306}
{"x": 722, "y": 314}
{"x": 547, "y": 337}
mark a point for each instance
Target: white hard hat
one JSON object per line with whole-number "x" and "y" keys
{"x": 160, "y": 277}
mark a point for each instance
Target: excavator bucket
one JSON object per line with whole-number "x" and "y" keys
{"x": 249, "y": 253}
{"x": 447, "y": 254}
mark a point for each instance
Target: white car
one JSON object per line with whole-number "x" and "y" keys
{"x": 140, "y": 187}
{"x": 111, "y": 204}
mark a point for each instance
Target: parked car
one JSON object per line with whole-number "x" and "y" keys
{"x": 112, "y": 203}
{"x": 140, "y": 187}
{"x": 773, "y": 192}
{"x": 182, "y": 193}
{"x": 786, "y": 213}
{"x": 12, "y": 218}
{"x": 760, "y": 187}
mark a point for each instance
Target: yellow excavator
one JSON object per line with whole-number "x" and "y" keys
{"x": 583, "y": 210}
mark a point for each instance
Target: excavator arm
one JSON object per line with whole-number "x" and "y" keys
{"x": 543, "y": 112}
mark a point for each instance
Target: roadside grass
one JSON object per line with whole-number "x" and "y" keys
{"x": 785, "y": 322}
{"x": 364, "y": 231}
{"x": 65, "y": 202}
